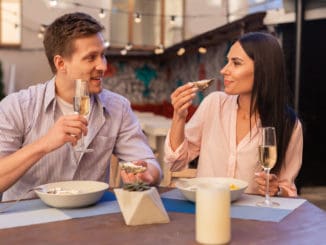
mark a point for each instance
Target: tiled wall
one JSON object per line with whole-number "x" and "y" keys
{"x": 152, "y": 82}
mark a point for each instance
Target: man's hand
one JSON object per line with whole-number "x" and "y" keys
{"x": 146, "y": 176}
{"x": 66, "y": 129}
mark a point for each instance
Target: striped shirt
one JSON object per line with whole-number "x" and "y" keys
{"x": 113, "y": 129}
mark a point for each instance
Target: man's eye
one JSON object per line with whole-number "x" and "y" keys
{"x": 91, "y": 58}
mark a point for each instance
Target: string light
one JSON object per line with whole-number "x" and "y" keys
{"x": 53, "y": 3}
{"x": 202, "y": 50}
{"x": 123, "y": 51}
{"x": 181, "y": 51}
{"x": 106, "y": 43}
{"x": 159, "y": 49}
{"x": 102, "y": 14}
{"x": 172, "y": 20}
{"x": 138, "y": 18}
{"x": 128, "y": 46}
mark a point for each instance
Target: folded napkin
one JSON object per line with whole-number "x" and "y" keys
{"x": 141, "y": 207}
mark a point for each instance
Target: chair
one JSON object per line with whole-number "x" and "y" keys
{"x": 186, "y": 173}
{"x": 115, "y": 179}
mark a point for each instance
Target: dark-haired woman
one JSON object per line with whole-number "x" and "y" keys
{"x": 224, "y": 130}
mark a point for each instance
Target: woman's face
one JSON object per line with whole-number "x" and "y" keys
{"x": 238, "y": 73}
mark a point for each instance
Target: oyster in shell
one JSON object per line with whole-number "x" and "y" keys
{"x": 129, "y": 167}
{"x": 203, "y": 84}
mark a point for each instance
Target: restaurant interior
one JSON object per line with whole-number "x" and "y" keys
{"x": 154, "y": 46}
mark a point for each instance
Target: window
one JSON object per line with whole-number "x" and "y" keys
{"x": 10, "y": 22}
{"x": 160, "y": 22}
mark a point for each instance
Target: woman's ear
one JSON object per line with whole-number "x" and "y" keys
{"x": 59, "y": 63}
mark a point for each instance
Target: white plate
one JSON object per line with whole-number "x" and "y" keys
{"x": 188, "y": 186}
{"x": 72, "y": 194}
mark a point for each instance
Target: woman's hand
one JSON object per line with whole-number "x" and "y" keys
{"x": 182, "y": 98}
{"x": 260, "y": 179}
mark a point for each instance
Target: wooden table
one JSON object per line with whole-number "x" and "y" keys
{"x": 305, "y": 225}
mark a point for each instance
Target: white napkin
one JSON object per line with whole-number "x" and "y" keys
{"x": 141, "y": 207}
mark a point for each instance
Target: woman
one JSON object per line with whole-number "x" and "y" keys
{"x": 224, "y": 130}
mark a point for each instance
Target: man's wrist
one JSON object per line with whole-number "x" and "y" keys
{"x": 279, "y": 192}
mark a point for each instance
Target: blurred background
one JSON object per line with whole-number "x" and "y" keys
{"x": 153, "y": 46}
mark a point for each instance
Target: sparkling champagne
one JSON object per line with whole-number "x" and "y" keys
{"x": 267, "y": 156}
{"x": 82, "y": 105}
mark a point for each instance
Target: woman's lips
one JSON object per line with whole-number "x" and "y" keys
{"x": 226, "y": 82}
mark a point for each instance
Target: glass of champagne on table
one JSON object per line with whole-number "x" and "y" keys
{"x": 267, "y": 151}
{"x": 82, "y": 107}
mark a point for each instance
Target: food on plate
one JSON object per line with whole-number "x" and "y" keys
{"x": 194, "y": 187}
{"x": 61, "y": 191}
{"x": 203, "y": 84}
{"x": 233, "y": 187}
{"x": 129, "y": 167}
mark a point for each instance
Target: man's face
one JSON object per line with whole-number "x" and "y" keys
{"x": 88, "y": 62}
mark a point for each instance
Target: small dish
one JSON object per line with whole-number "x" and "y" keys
{"x": 71, "y": 194}
{"x": 188, "y": 187}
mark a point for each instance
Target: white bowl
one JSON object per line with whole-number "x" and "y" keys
{"x": 188, "y": 186}
{"x": 71, "y": 194}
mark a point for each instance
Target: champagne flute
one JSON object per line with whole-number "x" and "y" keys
{"x": 82, "y": 107}
{"x": 267, "y": 158}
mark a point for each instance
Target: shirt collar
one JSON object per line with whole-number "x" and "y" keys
{"x": 50, "y": 96}
{"x": 49, "y": 93}
{"x": 102, "y": 100}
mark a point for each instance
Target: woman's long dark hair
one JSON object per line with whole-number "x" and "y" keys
{"x": 270, "y": 92}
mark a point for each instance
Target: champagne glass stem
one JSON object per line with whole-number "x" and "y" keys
{"x": 267, "y": 197}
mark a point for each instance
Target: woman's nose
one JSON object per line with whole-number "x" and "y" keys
{"x": 224, "y": 70}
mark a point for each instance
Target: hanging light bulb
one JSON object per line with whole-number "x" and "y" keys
{"x": 159, "y": 49}
{"x": 53, "y": 3}
{"x": 128, "y": 46}
{"x": 42, "y": 28}
{"x": 106, "y": 44}
{"x": 172, "y": 20}
{"x": 202, "y": 50}
{"x": 40, "y": 35}
{"x": 123, "y": 51}
{"x": 181, "y": 51}
{"x": 102, "y": 14}
{"x": 137, "y": 18}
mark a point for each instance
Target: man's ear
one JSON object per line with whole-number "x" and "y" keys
{"x": 59, "y": 63}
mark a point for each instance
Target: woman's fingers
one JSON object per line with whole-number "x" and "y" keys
{"x": 260, "y": 179}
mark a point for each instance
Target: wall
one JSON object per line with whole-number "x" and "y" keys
{"x": 32, "y": 66}
{"x": 30, "y": 61}
{"x": 130, "y": 78}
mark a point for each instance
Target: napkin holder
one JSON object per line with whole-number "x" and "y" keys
{"x": 141, "y": 207}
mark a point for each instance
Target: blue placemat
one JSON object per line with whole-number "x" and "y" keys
{"x": 237, "y": 211}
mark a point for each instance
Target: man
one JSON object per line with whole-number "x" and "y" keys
{"x": 38, "y": 129}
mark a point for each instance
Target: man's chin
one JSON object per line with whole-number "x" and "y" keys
{"x": 96, "y": 90}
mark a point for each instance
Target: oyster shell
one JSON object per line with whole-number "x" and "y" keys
{"x": 129, "y": 167}
{"x": 203, "y": 84}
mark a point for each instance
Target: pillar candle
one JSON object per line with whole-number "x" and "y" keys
{"x": 213, "y": 221}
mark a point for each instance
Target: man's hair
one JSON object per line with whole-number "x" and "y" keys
{"x": 60, "y": 35}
